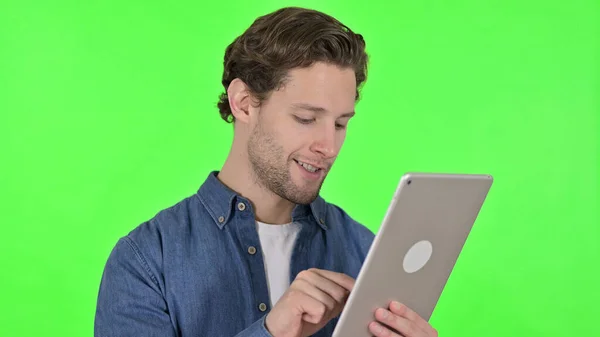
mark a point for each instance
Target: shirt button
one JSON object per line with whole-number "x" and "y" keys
{"x": 321, "y": 221}
{"x": 251, "y": 250}
{"x": 221, "y": 219}
{"x": 262, "y": 307}
{"x": 241, "y": 206}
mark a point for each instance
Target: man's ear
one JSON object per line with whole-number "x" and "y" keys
{"x": 240, "y": 100}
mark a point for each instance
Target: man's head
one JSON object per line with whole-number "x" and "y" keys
{"x": 291, "y": 83}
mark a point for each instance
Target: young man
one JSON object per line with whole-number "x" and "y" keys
{"x": 256, "y": 251}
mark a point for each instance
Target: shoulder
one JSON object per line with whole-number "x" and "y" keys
{"x": 342, "y": 217}
{"x": 164, "y": 233}
{"x": 340, "y": 221}
{"x": 176, "y": 218}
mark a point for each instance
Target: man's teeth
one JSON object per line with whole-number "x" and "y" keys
{"x": 308, "y": 167}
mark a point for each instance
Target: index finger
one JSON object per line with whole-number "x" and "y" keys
{"x": 341, "y": 279}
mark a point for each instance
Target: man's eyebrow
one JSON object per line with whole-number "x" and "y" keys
{"x": 317, "y": 109}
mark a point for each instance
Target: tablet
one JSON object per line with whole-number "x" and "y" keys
{"x": 416, "y": 247}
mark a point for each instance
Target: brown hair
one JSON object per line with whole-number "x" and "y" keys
{"x": 289, "y": 38}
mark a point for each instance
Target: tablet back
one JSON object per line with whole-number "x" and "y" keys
{"x": 415, "y": 250}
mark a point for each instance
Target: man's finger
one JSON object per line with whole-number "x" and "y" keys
{"x": 314, "y": 310}
{"x": 400, "y": 324}
{"x": 406, "y": 312}
{"x": 342, "y": 280}
{"x": 335, "y": 290}
{"x": 316, "y": 293}
{"x": 381, "y": 330}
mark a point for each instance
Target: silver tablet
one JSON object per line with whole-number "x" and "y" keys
{"x": 416, "y": 247}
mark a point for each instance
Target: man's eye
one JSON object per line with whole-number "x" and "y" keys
{"x": 303, "y": 120}
{"x": 340, "y": 126}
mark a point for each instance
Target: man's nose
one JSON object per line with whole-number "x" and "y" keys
{"x": 324, "y": 143}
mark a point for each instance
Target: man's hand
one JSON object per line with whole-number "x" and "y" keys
{"x": 313, "y": 299}
{"x": 403, "y": 323}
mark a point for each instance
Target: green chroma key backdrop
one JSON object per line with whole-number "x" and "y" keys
{"x": 108, "y": 114}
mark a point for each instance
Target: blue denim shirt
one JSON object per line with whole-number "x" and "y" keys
{"x": 189, "y": 271}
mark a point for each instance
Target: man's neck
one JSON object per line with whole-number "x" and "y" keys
{"x": 268, "y": 206}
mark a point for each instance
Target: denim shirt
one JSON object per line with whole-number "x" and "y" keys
{"x": 196, "y": 268}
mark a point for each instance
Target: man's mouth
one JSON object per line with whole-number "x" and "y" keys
{"x": 310, "y": 168}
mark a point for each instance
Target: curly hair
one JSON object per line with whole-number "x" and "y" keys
{"x": 286, "y": 39}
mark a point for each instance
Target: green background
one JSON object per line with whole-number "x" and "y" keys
{"x": 108, "y": 114}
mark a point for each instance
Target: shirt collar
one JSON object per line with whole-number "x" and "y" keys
{"x": 219, "y": 200}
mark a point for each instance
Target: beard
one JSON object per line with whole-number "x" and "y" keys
{"x": 271, "y": 169}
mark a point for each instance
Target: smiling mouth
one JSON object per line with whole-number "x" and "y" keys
{"x": 308, "y": 167}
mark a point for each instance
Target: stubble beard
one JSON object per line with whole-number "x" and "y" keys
{"x": 271, "y": 169}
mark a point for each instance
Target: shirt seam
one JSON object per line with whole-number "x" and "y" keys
{"x": 141, "y": 259}
{"x": 208, "y": 209}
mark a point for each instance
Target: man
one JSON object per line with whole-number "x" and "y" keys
{"x": 256, "y": 251}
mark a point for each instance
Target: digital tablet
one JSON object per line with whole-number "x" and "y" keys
{"x": 416, "y": 247}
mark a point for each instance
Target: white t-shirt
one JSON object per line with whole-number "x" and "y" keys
{"x": 277, "y": 243}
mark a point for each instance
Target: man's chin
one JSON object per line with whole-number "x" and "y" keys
{"x": 308, "y": 187}
{"x": 304, "y": 200}
{"x": 305, "y": 191}
{"x": 305, "y": 195}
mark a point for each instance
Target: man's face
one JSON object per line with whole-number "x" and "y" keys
{"x": 299, "y": 130}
